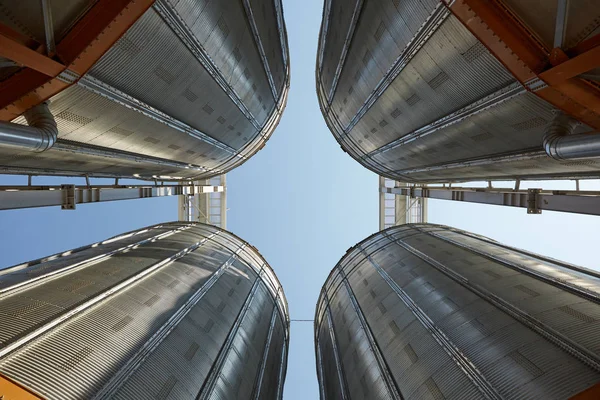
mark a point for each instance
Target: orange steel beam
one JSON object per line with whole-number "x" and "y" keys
{"x": 515, "y": 46}
{"x": 592, "y": 393}
{"x": 573, "y": 67}
{"x": 584, "y": 46}
{"x": 87, "y": 41}
{"x": 18, "y": 37}
{"x": 10, "y": 390}
{"x": 23, "y": 55}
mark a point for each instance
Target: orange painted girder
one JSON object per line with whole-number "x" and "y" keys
{"x": 592, "y": 393}
{"x": 511, "y": 42}
{"x": 573, "y": 67}
{"x": 12, "y": 391}
{"x": 98, "y": 30}
{"x": 23, "y": 55}
{"x": 90, "y": 38}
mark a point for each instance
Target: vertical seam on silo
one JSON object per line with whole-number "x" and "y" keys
{"x": 486, "y": 102}
{"x": 470, "y": 370}
{"x": 121, "y": 376}
{"x": 261, "y": 50}
{"x": 320, "y": 374}
{"x": 527, "y": 154}
{"x": 9, "y": 291}
{"x": 282, "y": 31}
{"x": 389, "y": 379}
{"x": 78, "y": 249}
{"x": 174, "y": 21}
{"x": 97, "y": 299}
{"x": 431, "y": 24}
{"x": 103, "y": 89}
{"x": 282, "y": 369}
{"x": 577, "y": 290}
{"x": 336, "y": 355}
{"x": 263, "y": 361}
{"x": 323, "y": 32}
{"x": 575, "y": 268}
{"x": 215, "y": 371}
{"x": 345, "y": 49}
{"x": 579, "y": 352}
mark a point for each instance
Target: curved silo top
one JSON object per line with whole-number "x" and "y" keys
{"x": 429, "y": 311}
{"x": 414, "y": 95}
{"x": 175, "y": 310}
{"x": 182, "y": 89}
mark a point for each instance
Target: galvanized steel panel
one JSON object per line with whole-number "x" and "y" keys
{"x": 199, "y": 68}
{"x": 79, "y": 332}
{"x": 456, "y": 315}
{"x": 410, "y": 66}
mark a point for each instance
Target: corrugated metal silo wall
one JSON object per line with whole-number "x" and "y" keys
{"x": 412, "y": 95}
{"x": 428, "y": 311}
{"x": 176, "y": 310}
{"x": 203, "y": 84}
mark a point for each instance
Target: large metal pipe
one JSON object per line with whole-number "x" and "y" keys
{"x": 39, "y": 135}
{"x": 561, "y": 143}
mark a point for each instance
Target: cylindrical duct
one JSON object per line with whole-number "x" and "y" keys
{"x": 427, "y": 311}
{"x": 39, "y": 135}
{"x": 561, "y": 143}
{"x": 177, "y": 311}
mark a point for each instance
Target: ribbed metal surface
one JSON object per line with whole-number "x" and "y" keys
{"x": 457, "y": 316}
{"x": 146, "y": 315}
{"x": 418, "y": 91}
{"x": 193, "y": 83}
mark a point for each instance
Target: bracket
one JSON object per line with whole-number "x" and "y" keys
{"x": 68, "y": 200}
{"x": 533, "y": 201}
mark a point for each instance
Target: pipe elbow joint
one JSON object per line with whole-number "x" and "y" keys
{"x": 561, "y": 127}
{"x": 40, "y": 118}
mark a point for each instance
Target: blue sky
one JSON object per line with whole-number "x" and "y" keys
{"x": 301, "y": 201}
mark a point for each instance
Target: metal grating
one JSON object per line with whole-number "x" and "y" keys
{"x": 438, "y": 80}
{"x": 527, "y": 290}
{"x": 121, "y": 131}
{"x": 380, "y": 30}
{"x": 410, "y": 352}
{"x": 576, "y": 314}
{"x": 72, "y": 117}
{"x": 166, "y": 388}
{"x": 122, "y": 323}
{"x": 434, "y": 390}
{"x": 530, "y": 124}
{"x": 191, "y": 351}
{"x": 474, "y": 52}
{"x": 482, "y": 137}
{"x": 527, "y": 365}
{"x": 165, "y": 75}
{"x": 75, "y": 359}
{"x": 413, "y": 99}
{"x": 191, "y": 96}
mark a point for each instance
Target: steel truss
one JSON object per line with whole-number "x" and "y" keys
{"x": 68, "y": 196}
{"x": 534, "y": 200}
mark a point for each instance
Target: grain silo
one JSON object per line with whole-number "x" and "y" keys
{"x": 427, "y": 311}
{"x": 437, "y": 91}
{"x": 150, "y": 89}
{"x": 175, "y": 310}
